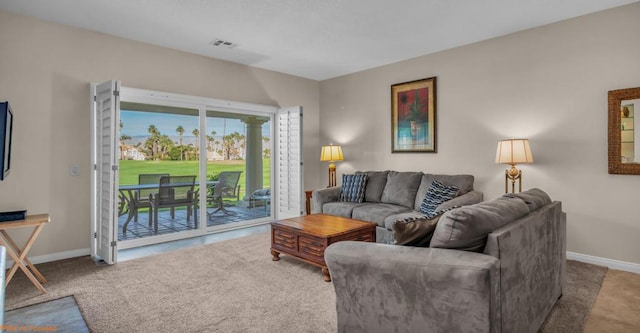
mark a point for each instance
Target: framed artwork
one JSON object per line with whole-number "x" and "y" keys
{"x": 413, "y": 116}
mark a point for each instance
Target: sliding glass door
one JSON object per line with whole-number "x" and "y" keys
{"x": 158, "y": 170}
{"x": 239, "y": 162}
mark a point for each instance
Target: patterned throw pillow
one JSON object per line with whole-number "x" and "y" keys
{"x": 353, "y": 187}
{"x": 437, "y": 194}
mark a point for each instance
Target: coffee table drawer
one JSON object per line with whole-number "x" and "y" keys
{"x": 284, "y": 239}
{"x": 312, "y": 247}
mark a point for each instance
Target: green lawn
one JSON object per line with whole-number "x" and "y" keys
{"x": 129, "y": 170}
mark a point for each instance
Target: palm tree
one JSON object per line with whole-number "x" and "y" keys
{"x": 123, "y": 139}
{"x": 214, "y": 143}
{"x": 228, "y": 143}
{"x": 153, "y": 130}
{"x": 242, "y": 142}
{"x": 196, "y": 133}
{"x": 266, "y": 151}
{"x": 180, "y": 131}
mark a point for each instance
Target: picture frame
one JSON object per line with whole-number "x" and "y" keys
{"x": 413, "y": 116}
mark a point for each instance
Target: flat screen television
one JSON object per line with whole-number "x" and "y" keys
{"x": 6, "y": 129}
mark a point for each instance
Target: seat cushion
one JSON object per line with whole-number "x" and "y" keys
{"x": 467, "y": 227}
{"x": 401, "y": 188}
{"x": 353, "y": 187}
{"x": 343, "y": 209}
{"x": 377, "y": 213}
{"x": 463, "y": 182}
{"x": 376, "y": 180}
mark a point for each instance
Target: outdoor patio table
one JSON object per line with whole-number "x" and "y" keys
{"x": 128, "y": 195}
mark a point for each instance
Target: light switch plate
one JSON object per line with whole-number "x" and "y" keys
{"x": 75, "y": 170}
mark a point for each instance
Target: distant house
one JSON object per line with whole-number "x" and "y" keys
{"x": 132, "y": 153}
{"x": 214, "y": 156}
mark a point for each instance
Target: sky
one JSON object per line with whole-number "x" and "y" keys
{"x": 137, "y": 124}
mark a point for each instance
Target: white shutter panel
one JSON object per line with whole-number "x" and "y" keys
{"x": 107, "y": 126}
{"x": 289, "y": 163}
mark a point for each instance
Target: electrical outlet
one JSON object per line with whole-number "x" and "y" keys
{"x": 75, "y": 170}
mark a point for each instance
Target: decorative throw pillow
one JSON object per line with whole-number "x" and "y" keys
{"x": 417, "y": 231}
{"x": 437, "y": 194}
{"x": 353, "y": 187}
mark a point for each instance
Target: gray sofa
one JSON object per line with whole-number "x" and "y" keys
{"x": 390, "y": 196}
{"x": 510, "y": 285}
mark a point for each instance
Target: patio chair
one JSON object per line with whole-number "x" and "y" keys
{"x": 263, "y": 195}
{"x": 227, "y": 187}
{"x": 137, "y": 199}
{"x": 174, "y": 191}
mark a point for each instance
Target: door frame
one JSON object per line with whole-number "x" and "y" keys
{"x": 202, "y": 104}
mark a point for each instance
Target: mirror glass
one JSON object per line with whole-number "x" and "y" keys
{"x": 629, "y": 136}
{"x": 624, "y": 131}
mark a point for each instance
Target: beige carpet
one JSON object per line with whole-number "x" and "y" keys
{"x": 232, "y": 286}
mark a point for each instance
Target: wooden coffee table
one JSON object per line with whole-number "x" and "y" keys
{"x": 306, "y": 237}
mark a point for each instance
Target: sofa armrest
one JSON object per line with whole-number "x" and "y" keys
{"x": 322, "y": 196}
{"x": 466, "y": 199}
{"x": 391, "y": 288}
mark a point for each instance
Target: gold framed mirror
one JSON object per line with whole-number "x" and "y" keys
{"x": 624, "y": 131}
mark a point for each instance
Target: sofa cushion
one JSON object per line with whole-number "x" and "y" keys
{"x": 344, "y": 209}
{"x": 353, "y": 188}
{"x": 437, "y": 194}
{"x": 416, "y": 231}
{"x": 390, "y": 220}
{"x": 376, "y": 180}
{"x": 467, "y": 227}
{"x": 377, "y": 213}
{"x": 534, "y": 198}
{"x": 401, "y": 188}
{"x": 463, "y": 182}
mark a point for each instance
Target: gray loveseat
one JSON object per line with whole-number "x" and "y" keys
{"x": 509, "y": 285}
{"x": 390, "y": 196}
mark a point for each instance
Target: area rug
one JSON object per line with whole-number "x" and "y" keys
{"x": 231, "y": 286}
{"x": 571, "y": 312}
{"x": 59, "y": 315}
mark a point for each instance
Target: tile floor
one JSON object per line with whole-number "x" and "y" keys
{"x": 168, "y": 225}
{"x": 143, "y": 251}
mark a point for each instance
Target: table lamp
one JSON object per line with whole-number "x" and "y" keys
{"x": 513, "y": 151}
{"x": 331, "y": 154}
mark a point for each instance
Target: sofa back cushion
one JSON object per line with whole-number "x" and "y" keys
{"x": 466, "y": 228}
{"x": 401, "y": 188}
{"x": 534, "y": 198}
{"x": 376, "y": 180}
{"x": 463, "y": 182}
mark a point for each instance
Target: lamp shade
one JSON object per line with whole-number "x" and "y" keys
{"x": 514, "y": 151}
{"x": 331, "y": 154}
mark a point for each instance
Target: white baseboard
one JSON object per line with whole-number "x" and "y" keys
{"x": 611, "y": 263}
{"x": 53, "y": 256}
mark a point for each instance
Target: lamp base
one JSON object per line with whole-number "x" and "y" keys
{"x": 512, "y": 174}
{"x": 332, "y": 174}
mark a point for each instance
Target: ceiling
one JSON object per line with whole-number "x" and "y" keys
{"x": 315, "y": 39}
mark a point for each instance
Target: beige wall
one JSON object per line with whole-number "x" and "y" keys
{"x": 547, "y": 84}
{"x": 45, "y": 71}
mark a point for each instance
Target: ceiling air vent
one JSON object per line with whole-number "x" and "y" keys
{"x": 223, "y": 43}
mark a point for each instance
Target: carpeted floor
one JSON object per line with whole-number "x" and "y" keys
{"x": 232, "y": 286}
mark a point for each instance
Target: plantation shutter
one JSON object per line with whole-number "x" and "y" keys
{"x": 105, "y": 179}
{"x": 289, "y": 163}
